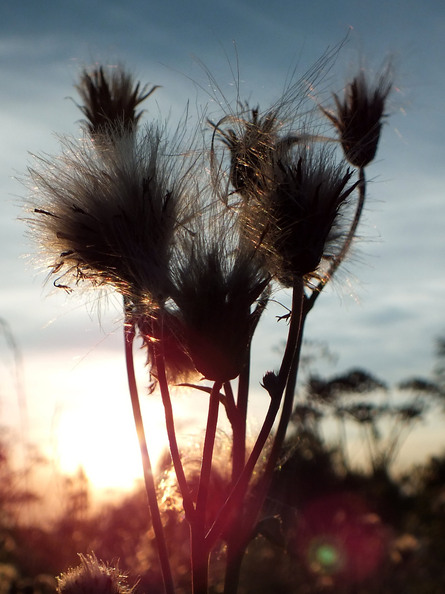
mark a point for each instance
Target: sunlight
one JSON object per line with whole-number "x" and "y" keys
{"x": 96, "y": 431}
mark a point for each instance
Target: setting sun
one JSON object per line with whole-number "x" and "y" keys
{"x": 96, "y": 431}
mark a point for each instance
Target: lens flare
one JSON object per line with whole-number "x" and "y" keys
{"x": 325, "y": 557}
{"x": 339, "y": 536}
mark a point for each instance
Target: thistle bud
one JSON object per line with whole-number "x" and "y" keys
{"x": 93, "y": 577}
{"x": 110, "y": 99}
{"x": 271, "y": 384}
{"x": 215, "y": 288}
{"x": 252, "y": 150}
{"x": 358, "y": 118}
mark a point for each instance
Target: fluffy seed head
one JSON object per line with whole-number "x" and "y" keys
{"x": 255, "y": 138}
{"x": 216, "y": 284}
{"x": 93, "y": 577}
{"x": 110, "y": 99}
{"x": 358, "y": 118}
{"x": 298, "y": 221}
{"x": 109, "y": 216}
{"x": 252, "y": 150}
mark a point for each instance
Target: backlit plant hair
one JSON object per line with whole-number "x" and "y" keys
{"x": 93, "y": 577}
{"x": 109, "y": 217}
{"x": 298, "y": 221}
{"x": 256, "y": 137}
{"x": 110, "y": 99}
{"x": 162, "y": 330}
{"x": 193, "y": 247}
{"x": 358, "y": 117}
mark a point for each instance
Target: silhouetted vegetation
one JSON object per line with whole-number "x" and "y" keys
{"x": 195, "y": 231}
{"x": 327, "y": 526}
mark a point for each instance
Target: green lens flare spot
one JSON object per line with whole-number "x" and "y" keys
{"x": 328, "y": 556}
{"x": 325, "y": 557}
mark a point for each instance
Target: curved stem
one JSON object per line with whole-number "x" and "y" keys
{"x": 189, "y": 508}
{"x": 348, "y": 241}
{"x": 150, "y": 488}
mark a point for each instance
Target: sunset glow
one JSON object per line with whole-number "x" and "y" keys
{"x": 107, "y": 449}
{"x": 94, "y": 427}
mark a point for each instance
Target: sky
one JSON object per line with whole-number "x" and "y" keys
{"x": 385, "y": 309}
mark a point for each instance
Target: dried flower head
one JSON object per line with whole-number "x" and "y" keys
{"x": 358, "y": 118}
{"x": 252, "y": 149}
{"x": 298, "y": 221}
{"x": 110, "y": 99}
{"x": 93, "y": 577}
{"x": 109, "y": 216}
{"x": 216, "y": 284}
{"x": 255, "y": 138}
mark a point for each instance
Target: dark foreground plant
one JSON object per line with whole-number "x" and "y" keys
{"x": 93, "y": 577}
{"x": 195, "y": 258}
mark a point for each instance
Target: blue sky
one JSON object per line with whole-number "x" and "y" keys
{"x": 385, "y": 309}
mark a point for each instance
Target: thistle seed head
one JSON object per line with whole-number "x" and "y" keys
{"x": 110, "y": 99}
{"x": 255, "y": 138}
{"x": 216, "y": 284}
{"x": 109, "y": 216}
{"x": 252, "y": 150}
{"x": 93, "y": 577}
{"x": 297, "y": 222}
{"x": 358, "y": 118}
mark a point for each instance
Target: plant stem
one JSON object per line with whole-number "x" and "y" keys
{"x": 239, "y": 437}
{"x": 238, "y": 492}
{"x": 200, "y": 559}
{"x": 187, "y": 500}
{"x": 236, "y": 496}
{"x": 347, "y": 244}
{"x": 207, "y": 456}
{"x": 146, "y": 463}
{"x": 298, "y": 316}
{"x": 233, "y": 567}
{"x": 200, "y": 550}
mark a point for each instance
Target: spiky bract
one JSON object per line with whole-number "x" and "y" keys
{"x": 358, "y": 118}
{"x": 110, "y": 99}
{"x": 93, "y": 577}
{"x": 297, "y": 221}
{"x": 216, "y": 284}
